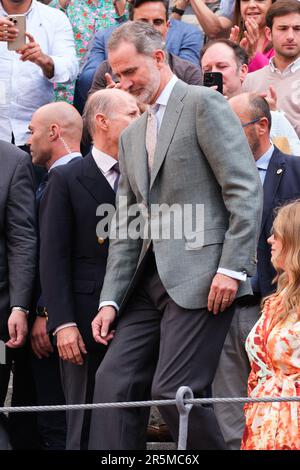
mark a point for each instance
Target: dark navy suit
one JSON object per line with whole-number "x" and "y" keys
{"x": 72, "y": 266}
{"x": 281, "y": 185}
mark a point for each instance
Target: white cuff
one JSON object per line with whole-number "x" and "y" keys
{"x": 61, "y": 327}
{"x": 109, "y": 302}
{"x": 239, "y": 275}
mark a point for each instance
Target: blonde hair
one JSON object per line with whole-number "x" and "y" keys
{"x": 286, "y": 228}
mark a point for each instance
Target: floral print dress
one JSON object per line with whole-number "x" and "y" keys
{"x": 273, "y": 347}
{"x": 86, "y": 17}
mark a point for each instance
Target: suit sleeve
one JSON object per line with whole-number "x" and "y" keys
{"x": 56, "y": 222}
{"x": 123, "y": 252}
{"x": 96, "y": 55}
{"x": 21, "y": 234}
{"x": 225, "y": 147}
{"x": 191, "y": 45}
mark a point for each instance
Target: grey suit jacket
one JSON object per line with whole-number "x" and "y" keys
{"x": 17, "y": 231}
{"x": 202, "y": 157}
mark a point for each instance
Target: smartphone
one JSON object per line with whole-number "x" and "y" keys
{"x": 213, "y": 79}
{"x": 19, "y": 22}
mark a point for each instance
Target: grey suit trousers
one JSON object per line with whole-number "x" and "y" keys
{"x": 158, "y": 346}
{"x": 232, "y": 375}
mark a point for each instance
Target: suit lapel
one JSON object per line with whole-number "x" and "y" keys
{"x": 168, "y": 127}
{"x": 94, "y": 181}
{"x": 140, "y": 159}
{"x": 273, "y": 177}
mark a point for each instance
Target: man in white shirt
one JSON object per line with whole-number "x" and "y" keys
{"x": 27, "y": 75}
{"x": 73, "y": 258}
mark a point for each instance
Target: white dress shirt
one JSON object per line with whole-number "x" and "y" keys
{"x": 23, "y": 86}
{"x": 105, "y": 163}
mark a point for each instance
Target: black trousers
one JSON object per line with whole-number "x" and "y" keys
{"x": 158, "y": 347}
{"x": 22, "y": 427}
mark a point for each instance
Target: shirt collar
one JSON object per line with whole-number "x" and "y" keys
{"x": 65, "y": 159}
{"x": 263, "y": 162}
{"x": 293, "y": 67}
{"x": 32, "y": 6}
{"x": 165, "y": 94}
{"x": 104, "y": 161}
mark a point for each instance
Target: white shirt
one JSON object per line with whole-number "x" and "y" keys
{"x": 291, "y": 68}
{"x": 64, "y": 160}
{"x": 23, "y": 86}
{"x": 105, "y": 163}
{"x": 281, "y": 127}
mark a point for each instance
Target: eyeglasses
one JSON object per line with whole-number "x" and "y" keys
{"x": 251, "y": 122}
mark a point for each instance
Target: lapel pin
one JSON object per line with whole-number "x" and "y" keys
{"x": 279, "y": 171}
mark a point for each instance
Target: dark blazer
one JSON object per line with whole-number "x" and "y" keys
{"x": 72, "y": 262}
{"x": 17, "y": 232}
{"x": 186, "y": 71}
{"x": 281, "y": 185}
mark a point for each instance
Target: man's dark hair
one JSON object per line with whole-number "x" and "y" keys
{"x": 137, "y": 3}
{"x": 259, "y": 108}
{"x": 240, "y": 54}
{"x": 281, "y": 8}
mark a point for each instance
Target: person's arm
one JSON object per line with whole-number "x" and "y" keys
{"x": 95, "y": 57}
{"x": 62, "y": 50}
{"x": 191, "y": 41}
{"x": 99, "y": 82}
{"x": 213, "y": 25}
{"x": 57, "y": 233}
{"x": 21, "y": 248}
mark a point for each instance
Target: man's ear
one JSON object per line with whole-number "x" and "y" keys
{"x": 54, "y": 132}
{"x": 243, "y": 72}
{"x": 268, "y": 33}
{"x": 168, "y": 24}
{"x": 101, "y": 121}
{"x": 263, "y": 126}
{"x": 159, "y": 56}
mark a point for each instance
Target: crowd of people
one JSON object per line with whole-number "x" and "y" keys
{"x": 149, "y": 225}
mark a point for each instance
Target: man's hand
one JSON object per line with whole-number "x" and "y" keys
{"x": 109, "y": 81}
{"x": 222, "y": 293}
{"x": 8, "y": 31}
{"x": 70, "y": 345}
{"x": 17, "y": 329}
{"x": 102, "y": 323}
{"x": 32, "y": 51}
{"x": 271, "y": 98}
{"x": 250, "y": 39}
{"x": 40, "y": 341}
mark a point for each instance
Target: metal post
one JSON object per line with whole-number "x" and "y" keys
{"x": 184, "y": 411}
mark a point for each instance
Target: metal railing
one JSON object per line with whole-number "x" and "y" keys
{"x": 184, "y": 401}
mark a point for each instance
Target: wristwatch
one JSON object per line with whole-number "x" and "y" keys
{"x": 41, "y": 312}
{"x": 178, "y": 11}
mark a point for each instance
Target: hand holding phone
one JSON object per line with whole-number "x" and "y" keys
{"x": 18, "y": 23}
{"x": 8, "y": 31}
{"x": 213, "y": 79}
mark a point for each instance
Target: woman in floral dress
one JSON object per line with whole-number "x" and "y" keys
{"x": 87, "y": 17}
{"x": 273, "y": 346}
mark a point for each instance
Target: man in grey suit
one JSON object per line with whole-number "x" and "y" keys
{"x": 17, "y": 261}
{"x": 173, "y": 296}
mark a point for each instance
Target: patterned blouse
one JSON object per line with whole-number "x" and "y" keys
{"x": 86, "y": 17}
{"x": 273, "y": 347}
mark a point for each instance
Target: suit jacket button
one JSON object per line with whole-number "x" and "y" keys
{"x": 101, "y": 241}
